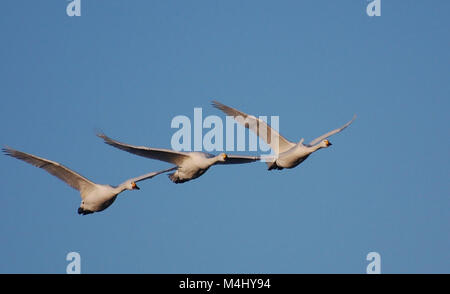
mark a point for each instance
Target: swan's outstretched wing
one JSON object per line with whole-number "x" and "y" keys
{"x": 279, "y": 144}
{"x": 237, "y": 159}
{"x": 167, "y": 155}
{"x": 151, "y": 175}
{"x": 73, "y": 179}
{"x": 317, "y": 140}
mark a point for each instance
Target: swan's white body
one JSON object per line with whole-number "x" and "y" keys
{"x": 294, "y": 156}
{"x": 94, "y": 197}
{"x": 191, "y": 165}
{"x": 195, "y": 165}
{"x": 99, "y": 198}
{"x": 287, "y": 154}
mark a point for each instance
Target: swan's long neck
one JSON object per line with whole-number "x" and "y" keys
{"x": 214, "y": 160}
{"x": 119, "y": 189}
{"x": 316, "y": 147}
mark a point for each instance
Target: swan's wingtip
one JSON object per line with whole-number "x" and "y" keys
{"x": 7, "y": 150}
{"x": 99, "y": 133}
{"x": 103, "y": 136}
{"x": 216, "y": 103}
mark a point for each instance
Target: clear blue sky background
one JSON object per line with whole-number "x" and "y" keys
{"x": 129, "y": 67}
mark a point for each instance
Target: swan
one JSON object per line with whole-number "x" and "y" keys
{"x": 287, "y": 154}
{"x": 94, "y": 197}
{"x": 189, "y": 165}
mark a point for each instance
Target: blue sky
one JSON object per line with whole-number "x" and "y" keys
{"x": 128, "y": 68}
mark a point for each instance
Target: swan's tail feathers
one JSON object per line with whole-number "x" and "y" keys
{"x": 84, "y": 211}
{"x": 176, "y": 179}
{"x": 273, "y": 165}
{"x": 172, "y": 177}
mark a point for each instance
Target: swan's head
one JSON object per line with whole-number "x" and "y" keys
{"x": 132, "y": 186}
{"x": 223, "y": 157}
{"x": 325, "y": 143}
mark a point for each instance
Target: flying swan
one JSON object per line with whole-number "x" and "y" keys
{"x": 94, "y": 197}
{"x": 287, "y": 154}
{"x": 190, "y": 165}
